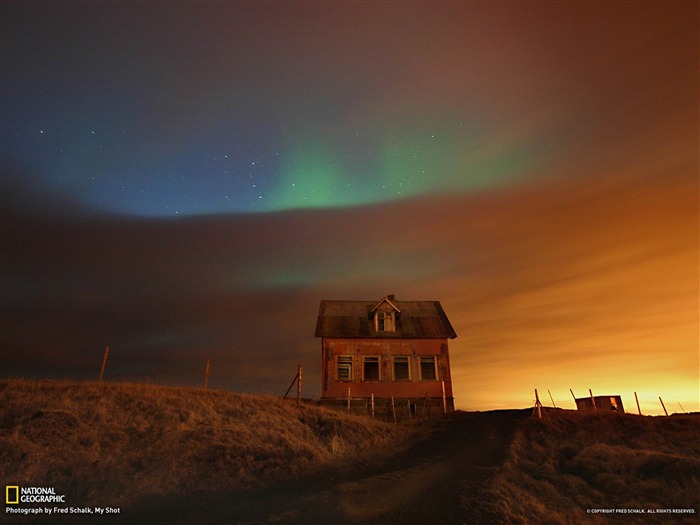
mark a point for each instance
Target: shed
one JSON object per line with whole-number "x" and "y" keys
{"x": 602, "y": 404}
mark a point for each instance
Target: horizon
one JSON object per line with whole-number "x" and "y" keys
{"x": 187, "y": 182}
{"x": 547, "y": 404}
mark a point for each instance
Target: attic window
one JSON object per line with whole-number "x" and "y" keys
{"x": 385, "y": 321}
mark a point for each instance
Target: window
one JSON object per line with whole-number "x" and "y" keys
{"x": 344, "y": 371}
{"x": 370, "y": 369}
{"x": 385, "y": 321}
{"x": 427, "y": 369}
{"x": 401, "y": 368}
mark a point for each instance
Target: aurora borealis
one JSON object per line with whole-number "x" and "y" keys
{"x": 188, "y": 180}
{"x": 151, "y": 110}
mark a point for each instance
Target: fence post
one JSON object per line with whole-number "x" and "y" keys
{"x": 295, "y": 380}
{"x": 592, "y": 400}
{"x": 206, "y": 375}
{"x": 637, "y": 400}
{"x": 425, "y": 405}
{"x": 299, "y": 384}
{"x": 104, "y": 364}
{"x": 444, "y": 399}
{"x": 538, "y": 405}
{"x": 662, "y": 404}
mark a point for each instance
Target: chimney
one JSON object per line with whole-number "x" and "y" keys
{"x": 391, "y": 297}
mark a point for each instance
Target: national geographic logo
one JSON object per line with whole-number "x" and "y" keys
{"x": 11, "y": 494}
{"x": 15, "y": 494}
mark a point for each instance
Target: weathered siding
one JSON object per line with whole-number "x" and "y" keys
{"x": 385, "y": 386}
{"x": 403, "y": 408}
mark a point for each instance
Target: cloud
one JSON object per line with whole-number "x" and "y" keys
{"x": 570, "y": 284}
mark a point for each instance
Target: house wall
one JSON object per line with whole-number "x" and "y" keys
{"x": 386, "y": 386}
{"x": 384, "y": 410}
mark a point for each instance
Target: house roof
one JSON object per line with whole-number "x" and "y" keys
{"x": 387, "y": 300}
{"x": 416, "y": 320}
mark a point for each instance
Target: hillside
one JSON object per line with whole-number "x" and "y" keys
{"x": 182, "y": 455}
{"x": 559, "y": 467}
{"x": 112, "y": 444}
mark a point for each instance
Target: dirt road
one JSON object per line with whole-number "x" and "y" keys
{"x": 438, "y": 480}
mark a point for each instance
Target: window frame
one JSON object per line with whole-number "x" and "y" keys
{"x": 347, "y": 360}
{"x": 408, "y": 367}
{"x": 385, "y": 321}
{"x": 423, "y": 360}
{"x": 371, "y": 359}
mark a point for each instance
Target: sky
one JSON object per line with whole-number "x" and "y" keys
{"x": 187, "y": 181}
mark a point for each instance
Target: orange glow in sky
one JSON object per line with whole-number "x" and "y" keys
{"x": 186, "y": 182}
{"x": 584, "y": 286}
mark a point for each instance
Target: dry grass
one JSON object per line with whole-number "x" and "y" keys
{"x": 127, "y": 441}
{"x": 122, "y": 442}
{"x": 560, "y": 466}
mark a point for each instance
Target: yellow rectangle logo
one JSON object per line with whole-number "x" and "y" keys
{"x": 11, "y": 494}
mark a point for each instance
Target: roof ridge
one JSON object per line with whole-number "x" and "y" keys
{"x": 353, "y": 319}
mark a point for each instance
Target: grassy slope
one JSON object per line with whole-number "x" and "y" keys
{"x": 122, "y": 440}
{"x": 568, "y": 462}
{"x": 114, "y": 442}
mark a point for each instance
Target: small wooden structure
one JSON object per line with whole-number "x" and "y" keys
{"x": 600, "y": 404}
{"x": 388, "y": 357}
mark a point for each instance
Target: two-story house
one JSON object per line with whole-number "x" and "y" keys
{"x": 392, "y": 352}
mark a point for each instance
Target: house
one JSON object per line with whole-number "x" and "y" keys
{"x": 387, "y": 356}
{"x": 600, "y": 404}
